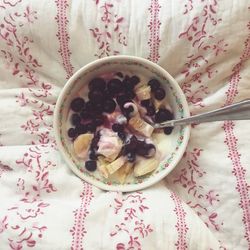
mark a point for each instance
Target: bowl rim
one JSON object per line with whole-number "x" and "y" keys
{"x": 122, "y": 187}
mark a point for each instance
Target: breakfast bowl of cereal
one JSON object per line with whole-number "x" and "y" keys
{"x": 103, "y": 123}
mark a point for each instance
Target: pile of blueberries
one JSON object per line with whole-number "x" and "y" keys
{"x": 104, "y": 97}
{"x": 135, "y": 147}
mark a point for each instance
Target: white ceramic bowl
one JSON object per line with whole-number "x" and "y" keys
{"x": 172, "y": 145}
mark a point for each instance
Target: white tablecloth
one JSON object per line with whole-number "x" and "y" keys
{"x": 203, "y": 204}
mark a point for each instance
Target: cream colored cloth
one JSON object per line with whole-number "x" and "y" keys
{"x": 202, "y": 204}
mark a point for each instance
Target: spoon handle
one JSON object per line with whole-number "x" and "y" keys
{"x": 236, "y": 111}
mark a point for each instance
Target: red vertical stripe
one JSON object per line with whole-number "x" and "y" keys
{"x": 154, "y": 31}
{"x": 63, "y": 36}
{"x": 231, "y": 141}
{"x": 78, "y": 230}
{"x": 181, "y": 226}
{"x": 154, "y": 56}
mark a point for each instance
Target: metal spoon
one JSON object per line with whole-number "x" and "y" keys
{"x": 237, "y": 111}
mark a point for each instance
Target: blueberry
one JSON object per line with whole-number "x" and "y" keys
{"x": 75, "y": 119}
{"x": 77, "y": 104}
{"x": 168, "y": 130}
{"x": 108, "y": 94}
{"x": 128, "y": 84}
{"x": 84, "y": 114}
{"x": 117, "y": 127}
{"x": 150, "y": 150}
{"x": 72, "y": 133}
{"x": 133, "y": 139}
{"x": 145, "y": 103}
{"x": 141, "y": 148}
{"x": 93, "y": 108}
{"x": 150, "y": 110}
{"x": 99, "y": 120}
{"x": 124, "y": 150}
{"x": 89, "y": 107}
{"x": 163, "y": 115}
{"x": 134, "y": 80}
{"x": 154, "y": 84}
{"x": 97, "y": 84}
{"x": 91, "y": 127}
{"x": 114, "y": 86}
{"x": 122, "y": 135}
{"x": 122, "y": 99}
{"x": 160, "y": 94}
{"x": 132, "y": 144}
{"x": 90, "y": 165}
{"x": 95, "y": 140}
{"x": 141, "y": 151}
{"x": 131, "y": 157}
{"x": 81, "y": 129}
{"x": 94, "y": 146}
{"x": 130, "y": 94}
{"x": 96, "y": 96}
{"x": 92, "y": 155}
{"x": 128, "y": 110}
{"x": 131, "y": 82}
{"x": 98, "y": 108}
{"x": 146, "y": 150}
{"x": 109, "y": 106}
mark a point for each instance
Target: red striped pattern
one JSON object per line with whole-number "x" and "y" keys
{"x": 154, "y": 29}
{"x": 181, "y": 226}
{"x": 63, "y": 36}
{"x": 154, "y": 45}
{"x": 78, "y": 230}
{"x": 231, "y": 141}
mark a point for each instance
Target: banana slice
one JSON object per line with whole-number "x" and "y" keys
{"x": 145, "y": 166}
{"x": 123, "y": 172}
{"x": 140, "y": 126}
{"x": 81, "y": 144}
{"x": 143, "y": 93}
{"x": 115, "y": 165}
{"x": 103, "y": 170}
{"x": 142, "y": 83}
{"x": 102, "y": 167}
{"x": 160, "y": 104}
